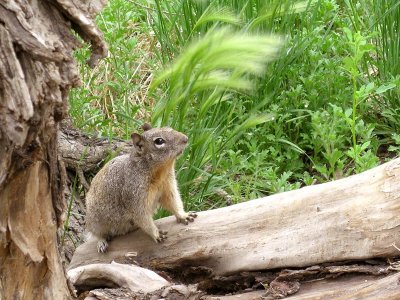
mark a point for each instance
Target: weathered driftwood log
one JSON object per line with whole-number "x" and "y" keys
{"x": 175, "y": 292}
{"x": 134, "y": 278}
{"x": 80, "y": 152}
{"x": 343, "y": 288}
{"x": 348, "y": 219}
{"x": 346, "y": 288}
{"x": 127, "y": 282}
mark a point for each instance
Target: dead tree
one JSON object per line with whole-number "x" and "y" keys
{"x": 37, "y": 71}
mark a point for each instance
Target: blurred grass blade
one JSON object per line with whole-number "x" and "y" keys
{"x": 281, "y": 9}
{"x": 217, "y": 14}
{"x": 222, "y": 59}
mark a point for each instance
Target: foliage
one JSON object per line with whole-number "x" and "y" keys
{"x": 112, "y": 97}
{"x": 273, "y": 94}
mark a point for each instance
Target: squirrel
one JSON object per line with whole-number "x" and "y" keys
{"x": 127, "y": 191}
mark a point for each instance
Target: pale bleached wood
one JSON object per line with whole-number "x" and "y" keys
{"x": 134, "y": 278}
{"x": 258, "y": 294}
{"x": 349, "y": 288}
{"x": 348, "y": 219}
{"x": 176, "y": 292}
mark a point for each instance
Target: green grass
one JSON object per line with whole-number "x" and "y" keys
{"x": 274, "y": 95}
{"x": 113, "y": 98}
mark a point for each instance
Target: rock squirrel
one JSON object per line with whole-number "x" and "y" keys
{"x": 127, "y": 191}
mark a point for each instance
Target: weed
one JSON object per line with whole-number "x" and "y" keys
{"x": 112, "y": 97}
{"x": 260, "y": 120}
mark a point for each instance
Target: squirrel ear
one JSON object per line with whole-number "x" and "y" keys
{"x": 146, "y": 126}
{"x": 136, "y": 139}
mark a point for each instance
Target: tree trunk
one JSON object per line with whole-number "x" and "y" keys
{"x": 36, "y": 72}
{"x": 349, "y": 219}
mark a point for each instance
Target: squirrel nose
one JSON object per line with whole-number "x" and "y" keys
{"x": 185, "y": 139}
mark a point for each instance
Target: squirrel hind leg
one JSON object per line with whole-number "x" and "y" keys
{"x": 102, "y": 246}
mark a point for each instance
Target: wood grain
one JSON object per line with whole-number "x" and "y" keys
{"x": 37, "y": 70}
{"x": 349, "y": 219}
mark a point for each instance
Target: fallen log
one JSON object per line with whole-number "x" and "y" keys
{"x": 133, "y": 278}
{"x": 176, "y": 292}
{"x": 349, "y": 219}
{"x": 343, "y": 288}
{"x": 346, "y": 288}
{"x": 85, "y": 153}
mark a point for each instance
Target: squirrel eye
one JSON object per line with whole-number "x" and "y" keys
{"x": 159, "y": 141}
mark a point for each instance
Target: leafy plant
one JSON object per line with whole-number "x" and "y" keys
{"x": 260, "y": 120}
{"x": 112, "y": 95}
{"x": 201, "y": 86}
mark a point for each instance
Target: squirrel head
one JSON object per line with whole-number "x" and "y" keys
{"x": 158, "y": 145}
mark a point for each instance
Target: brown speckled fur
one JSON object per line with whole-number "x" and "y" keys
{"x": 128, "y": 190}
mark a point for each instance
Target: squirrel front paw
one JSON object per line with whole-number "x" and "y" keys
{"x": 162, "y": 236}
{"x": 186, "y": 217}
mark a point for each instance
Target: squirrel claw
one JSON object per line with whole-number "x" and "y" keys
{"x": 162, "y": 236}
{"x": 188, "y": 217}
{"x": 192, "y": 214}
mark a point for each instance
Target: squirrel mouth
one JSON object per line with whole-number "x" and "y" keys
{"x": 180, "y": 152}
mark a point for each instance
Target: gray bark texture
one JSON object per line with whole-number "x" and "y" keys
{"x": 37, "y": 71}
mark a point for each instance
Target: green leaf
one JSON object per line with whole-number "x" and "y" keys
{"x": 384, "y": 88}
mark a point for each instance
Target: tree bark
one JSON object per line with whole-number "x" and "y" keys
{"x": 36, "y": 72}
{"x": 349, "y": 219}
